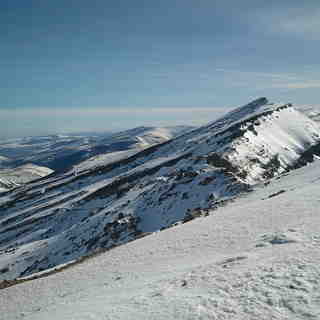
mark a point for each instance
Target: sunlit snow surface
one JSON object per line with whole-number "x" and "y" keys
{"x": 257, "y": 258}
{"x": 10, "y": 178}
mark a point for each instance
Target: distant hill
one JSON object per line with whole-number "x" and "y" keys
{"x": 61, "y": 152}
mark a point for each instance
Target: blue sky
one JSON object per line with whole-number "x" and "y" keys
{"x": 78, "y": 65}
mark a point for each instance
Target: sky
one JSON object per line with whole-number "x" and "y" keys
{"x": 78, "y": 65}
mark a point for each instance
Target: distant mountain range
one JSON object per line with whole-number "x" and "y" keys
{"x": 61, "y": 152}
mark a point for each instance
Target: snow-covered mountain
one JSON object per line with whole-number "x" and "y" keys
{"x": 124, "y": 196}
{"x": 61, "y": 152}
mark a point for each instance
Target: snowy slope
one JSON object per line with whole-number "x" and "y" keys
{"x": 125, "y": 196}
{"x": 312, "y": 112}
{"x": 130, "y": 143}
{"x": 12, "y": 178}
{"x": 257, "y": 258}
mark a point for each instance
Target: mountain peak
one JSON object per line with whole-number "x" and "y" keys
{"x": 248, "y": 109}
{"x": 259, "y": 101}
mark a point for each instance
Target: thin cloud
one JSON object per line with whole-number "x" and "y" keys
{"x": 256, "y": 74}
{"x": 302, "y": 25}
{"x": 297, "y": 85}
{"x": 104, "y": 111}
{"x": 296, "y": 21}
{"x": 264, "y": 80}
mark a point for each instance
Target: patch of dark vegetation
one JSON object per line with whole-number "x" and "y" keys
{"x": 183, "y": 174}
{"x": 218, "y": 161}
{"x": 114, "y": 232}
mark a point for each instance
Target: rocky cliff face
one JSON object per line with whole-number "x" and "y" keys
{"x": 67, "y": 216}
